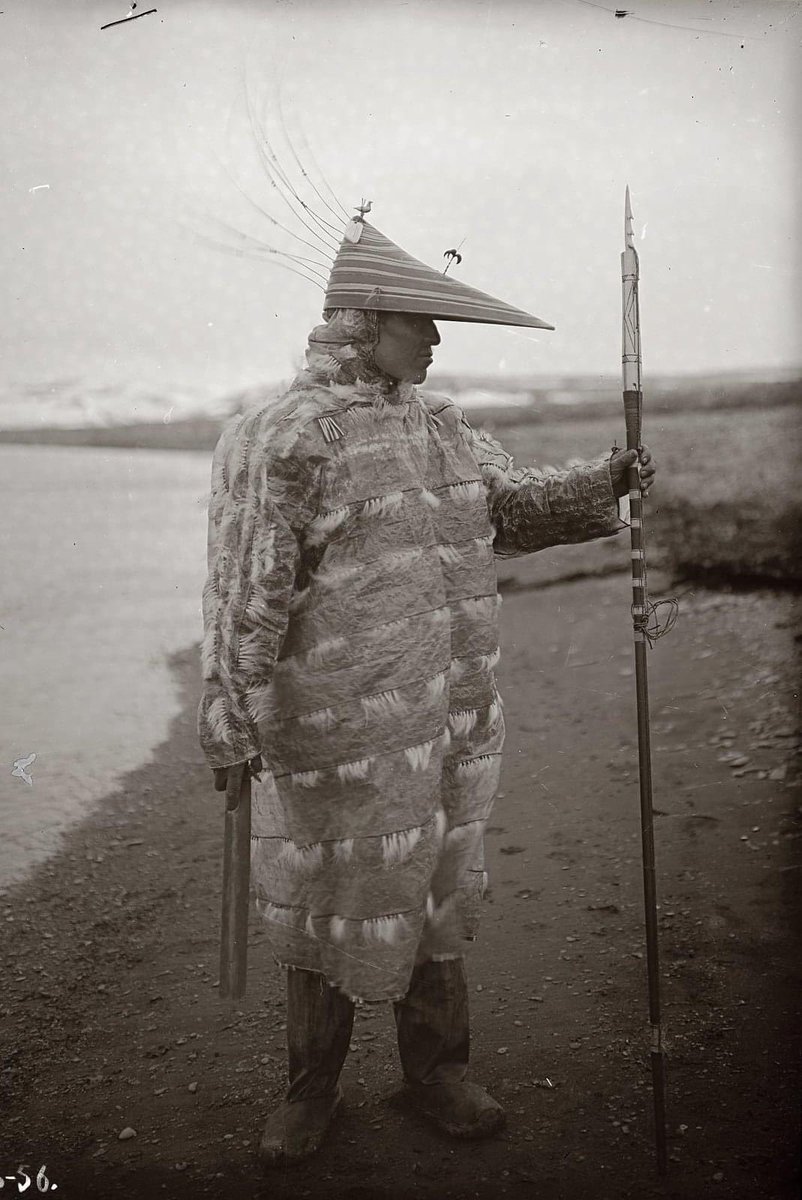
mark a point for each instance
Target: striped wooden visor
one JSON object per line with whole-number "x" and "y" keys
{"x": 371, "y": 272}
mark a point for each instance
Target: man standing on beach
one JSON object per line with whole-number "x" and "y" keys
{"x": 351, "y": 631}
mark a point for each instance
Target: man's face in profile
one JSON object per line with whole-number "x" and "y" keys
{"x": 405, "y": 344}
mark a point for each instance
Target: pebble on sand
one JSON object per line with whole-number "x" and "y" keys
{"x": 126, "y": 1134}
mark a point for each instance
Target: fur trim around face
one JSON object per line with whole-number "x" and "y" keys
{"x": 341, "y": 351}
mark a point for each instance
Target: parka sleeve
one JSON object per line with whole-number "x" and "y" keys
{"x": 253, "y": 559}
{"x": 532, "y": 509}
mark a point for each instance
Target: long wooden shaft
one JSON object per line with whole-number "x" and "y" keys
{"x": 633, "y": 404}
{"x": 236, "y": 885}
{"x": 646, "y": 808}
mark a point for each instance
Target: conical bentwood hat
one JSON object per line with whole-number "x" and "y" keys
{"x": 371, "y": 272}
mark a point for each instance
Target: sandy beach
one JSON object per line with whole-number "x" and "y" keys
{"x": 110, "y": 1014}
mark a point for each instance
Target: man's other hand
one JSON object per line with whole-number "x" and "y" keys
{"x": 622, "y": 460}
{"x": 255, "y": 768}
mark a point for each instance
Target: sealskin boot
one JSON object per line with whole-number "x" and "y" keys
{"x": 296, "y": 1129}
{"x": 319, "y": 1024}
{"x": 434, "y": 1042}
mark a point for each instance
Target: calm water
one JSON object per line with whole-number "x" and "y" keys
{"x": 103, "y": 555}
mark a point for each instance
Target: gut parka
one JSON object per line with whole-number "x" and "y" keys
{"x": 351, "y": 631}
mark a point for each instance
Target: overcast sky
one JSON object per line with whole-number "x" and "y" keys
{"x": 512, "y": 125}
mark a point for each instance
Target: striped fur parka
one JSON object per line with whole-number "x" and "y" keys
{"x": 350, "y": 635}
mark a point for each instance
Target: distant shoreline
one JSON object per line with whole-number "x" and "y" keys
{"x": 193, "y": 433}
{"x": 201, "y": 433}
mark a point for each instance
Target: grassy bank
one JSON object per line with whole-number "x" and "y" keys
{"x": 726, "y": 506}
